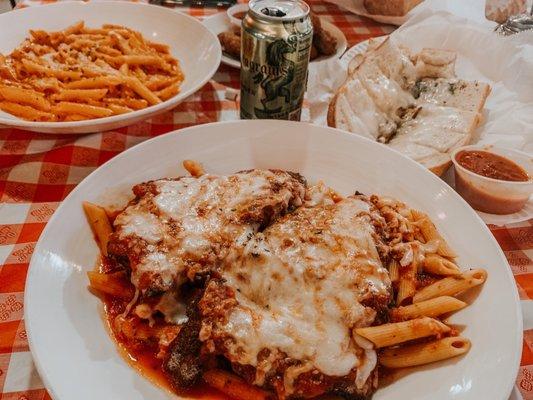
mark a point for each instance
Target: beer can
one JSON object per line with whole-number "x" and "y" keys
{"x": 276, "y": 44}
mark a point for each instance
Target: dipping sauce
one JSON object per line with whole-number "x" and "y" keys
{"x": 490, "y": 182}
{"x": 491, "y": 166}
{"x": 239, "y": 15}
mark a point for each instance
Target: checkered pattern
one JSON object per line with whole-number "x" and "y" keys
{"x": 37, "y": 171}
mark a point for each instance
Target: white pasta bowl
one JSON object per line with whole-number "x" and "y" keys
{"x": 195, "y": 47}
{"x": 64, "y": 322}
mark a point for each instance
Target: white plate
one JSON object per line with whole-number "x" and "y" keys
{"x": 74, "y": 353}
{"x": 199, "y": 59}
{"x": 220, "y": 23}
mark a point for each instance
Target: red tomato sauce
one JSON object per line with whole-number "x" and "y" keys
{"x": 143, "y": 356}
{"x": 240, "y": 14}
{"x": 491, "y": 165}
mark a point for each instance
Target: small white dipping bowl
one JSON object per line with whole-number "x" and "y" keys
{"x": 237, "y": 8}
{"x": 490, "y": 195}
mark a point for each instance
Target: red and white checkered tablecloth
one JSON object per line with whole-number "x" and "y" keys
{"x": 37, "y": 171}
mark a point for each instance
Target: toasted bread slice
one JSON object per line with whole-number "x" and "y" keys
{"x": 441, "y": 117}
{"x": 387, "y": 93}
{"x": 434, "y": 134}
{"x": 466, "y": 95}
{"x": 354, "y": 110}
{"x": 390, "y": 7}
{"x": 392, "y": 60}
{"x": 436, "y": 162}
{"x": 364, "y": 103}
{"x": 388, "y": 96}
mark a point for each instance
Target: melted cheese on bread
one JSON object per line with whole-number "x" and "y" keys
{"x": 388, "y": 81}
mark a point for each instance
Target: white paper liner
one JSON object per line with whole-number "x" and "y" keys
{"x": 506, "y": 63}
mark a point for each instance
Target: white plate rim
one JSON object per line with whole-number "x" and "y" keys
{"x": 221, "y": 18}
{"x": 116, "y": 121}
{"x": 512, "y": 372}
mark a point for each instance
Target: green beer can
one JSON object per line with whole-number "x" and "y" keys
{"x": 276, "y": 44}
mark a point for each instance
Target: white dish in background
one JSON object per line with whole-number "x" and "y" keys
{"x": 220, "y": 22}
{"x": 501, "y": 192}
{"x": 199, "y": 59}
{"x": 63, "y": 319}
{"x": 357, "y": 7}
{"x": 236, "y": 9}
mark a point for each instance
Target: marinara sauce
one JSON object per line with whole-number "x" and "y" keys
{"x": 490, "y": 196}
{"x": 240, "y": 14}
{"x": 491, "y": 165}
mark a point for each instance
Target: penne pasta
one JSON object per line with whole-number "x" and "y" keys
{"x": 234, "y": 386}
{"x": 96, "y": 82}
{"x": 426, "y": 353}
{"x": 194, "y": 168}
{"x": 136, "y": 85}
{"x": 76, "y": 28}
{"x": 160, "y": 48}
{"x": 120, "y": 41}
{"x": 429, "y": 231}
{"x": 394, "y": 270}
{"x": 407, "y": 284}
{"x": 399, "y": 332}
{"x": 26, "y": 112}
{"x": 76, "y": 117}
{"x": 66, "y": 107}
{"x": 139, "y": 73}
{"x": 159, "y": 82}
{"x": 55, "y": 76}
{"x": 135, "y": 104}
{"x": 115, "y": 284}
{"x": 100, "y": 224}
{"x": 428, "y": 308}
{"x": 109, "y": 51}
{"x": 438, "y": 265}
{"x": 119, "y": 109}
{"x": 168, "y": 92}
{"x": 114, "y": 26}
{"x": 25, "y": 96}
{"x": 33, "y": 67}
{"x": 452, "y": 285}
{"x": 81, "y": 94}
{"x": 140, "y": 60}
{"x": 124, "y": 69}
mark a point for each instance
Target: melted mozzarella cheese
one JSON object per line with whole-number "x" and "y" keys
{"x": 357, "y": 111}
{"x": 195, "y": 220}
{"x": 299, "y": 287}
{"x": 387, "y": 94}
{"x": 136, "y": 222}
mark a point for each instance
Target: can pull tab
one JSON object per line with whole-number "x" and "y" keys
{"x": 273, "y": 12}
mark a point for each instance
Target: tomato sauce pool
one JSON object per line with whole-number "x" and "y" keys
{"x": 486, "y": 196}
{"x": 491, "y": 166}
{"x": 240, "y": 14}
